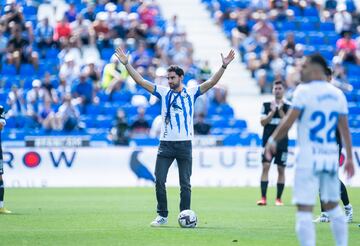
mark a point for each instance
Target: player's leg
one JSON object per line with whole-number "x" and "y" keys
{"x": 264, "y": 180}
{"x": 184, "y": 161}
{"x": 280, "y": 161}
{"x": 306, "y": 188}
{"x": 163, "y": 162}
{"x": 280, "y": 185}
{"x": 2, "y": 190}
{"x": 324, "y": 217}
{"x": 345, "y": 200}
{"x": 330, "y": 195}
{"x": 305, "y": 228}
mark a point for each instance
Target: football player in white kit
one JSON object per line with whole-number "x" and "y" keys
{"x": 319, "y": 108}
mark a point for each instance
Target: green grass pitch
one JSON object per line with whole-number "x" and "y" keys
{"x": 121, "y": 216}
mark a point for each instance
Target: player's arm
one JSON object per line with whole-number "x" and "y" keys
{"x": 345, "y": 134}
{"x": 210, "y": 83}
{"x": 124, "y": 59}
{"x": 281, "y": 131}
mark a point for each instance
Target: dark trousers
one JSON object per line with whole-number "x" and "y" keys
{"x": 168, "y": 151}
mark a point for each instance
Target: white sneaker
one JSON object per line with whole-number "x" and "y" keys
{"x": 348, "y": 213}
{"x": 159, "y": 221}
{"x": 323, "y": 218}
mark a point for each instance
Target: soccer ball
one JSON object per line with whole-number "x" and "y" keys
{"x": 187, "y": 219}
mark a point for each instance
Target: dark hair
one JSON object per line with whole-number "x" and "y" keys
{"x": 178, "y": 70}
{"x": 319, "y": 60}
{"x": 278, "y": 82}
{"x": 328, "y": 71}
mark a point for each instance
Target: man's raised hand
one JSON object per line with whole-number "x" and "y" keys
{"x": 120, "y": 54}
{"x": 226, "y": 60}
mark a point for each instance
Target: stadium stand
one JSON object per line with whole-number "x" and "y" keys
{"x": 59, "y": 76}
{"x": 273, "y": 36}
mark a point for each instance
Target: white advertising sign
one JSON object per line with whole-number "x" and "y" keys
{"x": 122, "y": 166}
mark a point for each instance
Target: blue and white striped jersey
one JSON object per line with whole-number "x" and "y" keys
{"x": 177, "y": 112}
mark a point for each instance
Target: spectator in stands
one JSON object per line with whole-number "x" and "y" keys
{"x": 44, "y": 35}
{"x": 20, "y": 50}
{"x": 111, "y": 15}
{"x": 92, "y": 72}
{"x": 3, "y": 44}
{"x": 102, "y": 31}
{"x": 147, "y": 13}
{"x": 141, "y": 56}
{"x": 220, "y": 95}
{"x": 47, "y": 117}
{"x": 83, "y": 92}
{"x": 120, "y": 29}
{"x": 140, "y": 127}
{"x": 264, "y": 28}
{"x": 137, "y": 30}
{"x": 16, "y": 102}
{"x": 114, "y": 75}
{"x": 13, "y": 16}
{"x": 240, "y": 32}
{"x": 71, "y": 13}
{"x": 49, "y": 90}
{"x": 82, "y": 31}
{"x": 178, "y": 54}
{"x": 35, "y": 102}
{"x": 62, "y": 30}
{"x": 69, "y": 71}
{"x": 119, "y": 133}
{"x": 200, "y": 126}
{"x": 289, "y": 44}
{"x": 346, "y": 48}
{"x": 69, "y": 48}
{"x": 68, "y": 114}
{"x": 342, "y": 20}
{"x": 260, "y": 4}
{"x": 89, "y": 12}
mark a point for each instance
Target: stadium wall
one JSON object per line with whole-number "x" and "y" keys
{"x": 123, "y": 166}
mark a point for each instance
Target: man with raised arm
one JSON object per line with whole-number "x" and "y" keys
{"x": 177, "y": 131}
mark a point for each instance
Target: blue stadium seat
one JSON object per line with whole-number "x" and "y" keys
{"x": 8, "y": 70}
{"x": 224, "y": 110}
{"x": 300, "y": 37}
{"x": 27, "y": 70}
{"x": 315, "y": 38}
{"x": 308, "y": 26}
{"x": 331, "y": 38}
{"x": 94, "y": 109}
{"x": 239, "y": 124}
{"x": 228, "y": 25}
{"x": 121, "y": 96}
{"x": 311, "y": 11}
{"x": 354, "y": 110}
{"x": 326, "y": 26}
{"x": 106, "y": 53}
{"x": 29, "y": 11}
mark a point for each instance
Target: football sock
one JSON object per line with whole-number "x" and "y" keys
{"x": 1, "y": 193}
{"x": 344, "y": 194}
{"x": 264, "y": 185}
{"x": 280, "y": 189}
{"x": 305, "y": 228}
{"x": 339, "y": 226}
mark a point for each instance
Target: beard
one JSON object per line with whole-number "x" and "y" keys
{"x": 174, "y": 86}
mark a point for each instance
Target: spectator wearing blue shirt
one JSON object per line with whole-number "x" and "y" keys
{"x": 71, "y": 13}
{"x": 44, "y": 34}
{"x": 83, "y": 91}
